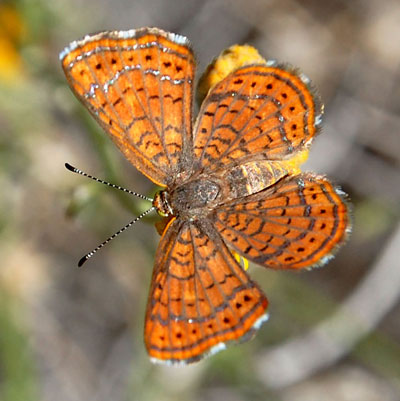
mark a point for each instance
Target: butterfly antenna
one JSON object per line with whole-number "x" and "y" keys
{"x": 77, "y": 171}
{"x": 90, "y": 254}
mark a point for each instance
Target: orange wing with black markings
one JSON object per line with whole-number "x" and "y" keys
{"x": 200, "y": 298}
{"x": 259, "y": 111}
{"x": 297, "y": 223}
{"x": 138, "y": 85}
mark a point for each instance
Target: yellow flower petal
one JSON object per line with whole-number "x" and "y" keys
{"x": 229, "y": 60}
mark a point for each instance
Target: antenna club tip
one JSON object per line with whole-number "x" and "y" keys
{"x": 69, "y": 167}
{"x": 82, "y": 261}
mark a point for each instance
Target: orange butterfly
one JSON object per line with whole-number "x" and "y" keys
{"x": 227, "y": 182}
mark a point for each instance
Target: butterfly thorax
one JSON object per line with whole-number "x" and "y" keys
{"x": 193, "y": 199}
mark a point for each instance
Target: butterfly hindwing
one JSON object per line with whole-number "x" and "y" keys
{"x": 297, "y": 223}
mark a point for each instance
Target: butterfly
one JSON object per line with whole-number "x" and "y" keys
{"x": 228, "y": 182}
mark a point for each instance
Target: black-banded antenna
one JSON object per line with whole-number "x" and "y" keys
{"x": 77, "y": 171}
{"x": 90, "y": 254}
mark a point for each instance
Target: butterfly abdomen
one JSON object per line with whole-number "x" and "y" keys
{"x": 252, "y": 177}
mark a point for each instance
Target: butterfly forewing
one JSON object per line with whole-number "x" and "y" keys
{"x": 295, "y": 224}
{"x": 138, "y": 85}
{"x": 200, "y": 298}
{"x": 257, "y": 111}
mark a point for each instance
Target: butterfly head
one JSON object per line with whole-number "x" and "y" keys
{"x": 162, "y": 205}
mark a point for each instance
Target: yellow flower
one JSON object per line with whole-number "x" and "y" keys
{"x": 12, "y": 31}
{"x": 229, "y": 60}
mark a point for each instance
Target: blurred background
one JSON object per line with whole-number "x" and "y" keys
{"x": 71, "y": 334}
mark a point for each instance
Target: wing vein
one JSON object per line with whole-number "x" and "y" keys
{"x": 150, "y": 114}
{"x": 224, "y": 295}
{"x": 118, "y": 90}
{"x": 284, "y": 246}
{"x": 133, "y": 86}
{"x": 212, "y": 309}
{"x": 287, "y": 225}
{"x": 249, "y": 120}
{"x": 213, "y": 129}
{"x": 100, "y": 87}
{"x": 161, "y": 100}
